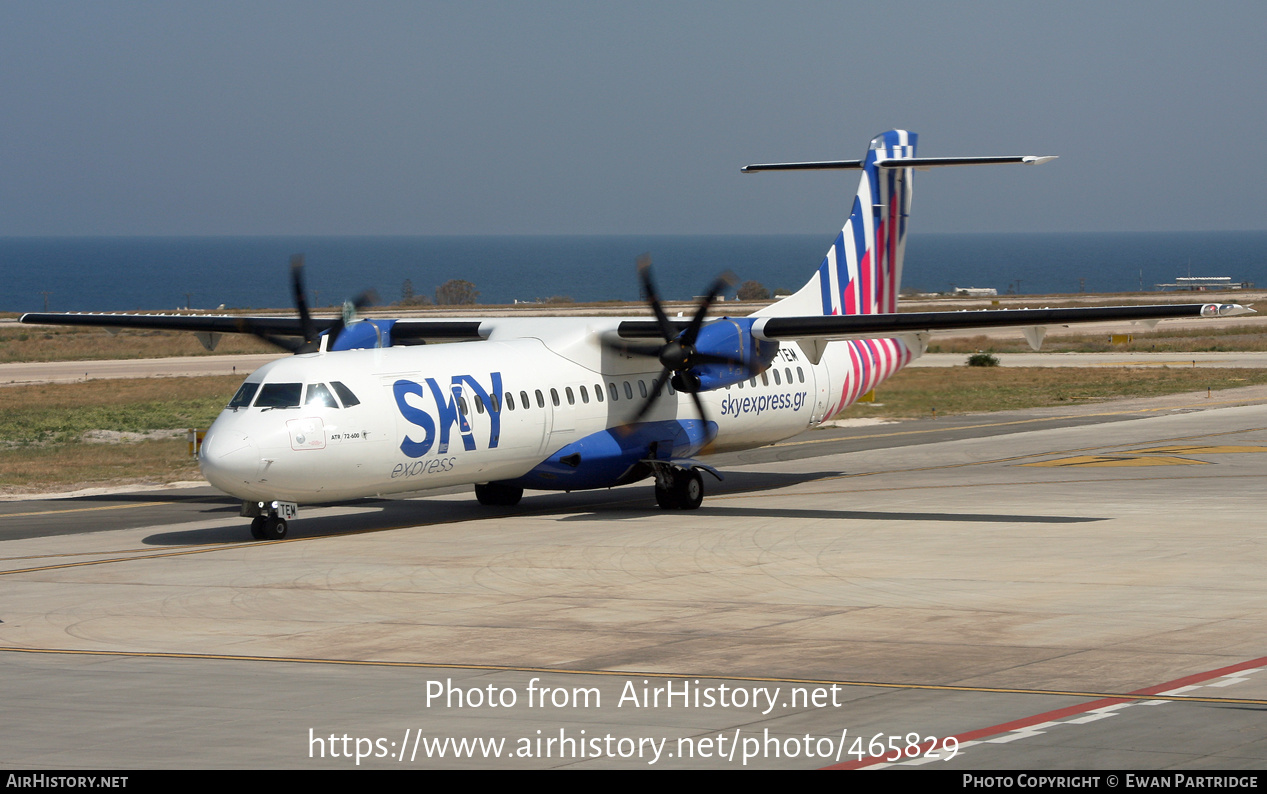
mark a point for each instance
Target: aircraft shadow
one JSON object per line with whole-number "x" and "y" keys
{"x": 403, "y": 513}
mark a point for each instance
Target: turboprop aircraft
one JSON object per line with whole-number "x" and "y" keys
{"x": 371, "y": 406}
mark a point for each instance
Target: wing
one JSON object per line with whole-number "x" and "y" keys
{"x": 813, "y": 331}
{"x": 403, "y": 330}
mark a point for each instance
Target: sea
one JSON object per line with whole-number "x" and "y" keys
{"x": 167, "y": 273}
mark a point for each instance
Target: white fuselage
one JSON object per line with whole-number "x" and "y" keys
{"x": 494, "y": 410}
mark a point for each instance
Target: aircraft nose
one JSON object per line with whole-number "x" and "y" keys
{"x": 228, "y": 459}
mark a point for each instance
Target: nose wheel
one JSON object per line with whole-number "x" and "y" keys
{"x": 268, "y": 520}
{"x": 270, "y": 528}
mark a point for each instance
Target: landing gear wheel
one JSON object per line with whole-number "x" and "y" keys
{"x": 666, "y": 498}
{"x": 688, "y": 487}
{"x": 498, "y": 495}
{"x": 257, "y": 527}
{"x": 274, "y": 528}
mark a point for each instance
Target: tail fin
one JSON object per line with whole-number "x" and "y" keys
{"x": 862, "y": 271}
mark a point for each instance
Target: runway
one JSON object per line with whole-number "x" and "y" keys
{"x": 1057, "y": 589}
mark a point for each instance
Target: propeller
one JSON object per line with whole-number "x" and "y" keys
{"x": 677, "y": 354}
{"x": 311, "y": 341}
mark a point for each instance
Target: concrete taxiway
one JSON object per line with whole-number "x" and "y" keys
{"x": 1065, "y": 588}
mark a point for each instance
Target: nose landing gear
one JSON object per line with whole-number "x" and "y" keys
{"x": 268, "y": 519}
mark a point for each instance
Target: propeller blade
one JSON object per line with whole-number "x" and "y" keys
{"x": 657, "y": 386}
{"x": 703, "y": 416}
{"x": 724, "y": 281}
{"x": 350, "y": 309}
{"x": 301, "y": 298}
{"x": 653, "y": 297}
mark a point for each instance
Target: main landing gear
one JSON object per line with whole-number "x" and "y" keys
{"x": 268, "y": 519}
{"x": 684, "y": 491}
{"x": 679, "y": 486}
{"x": 495, "y": 494}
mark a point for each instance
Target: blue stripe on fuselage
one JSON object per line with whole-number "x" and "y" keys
{"x": 610, "y": 457}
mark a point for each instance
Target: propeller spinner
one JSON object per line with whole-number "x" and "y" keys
{"x": 678, "y": 355}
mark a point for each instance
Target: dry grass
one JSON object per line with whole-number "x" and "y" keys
{"x": 59, "y": 413}
{"x": 55, "y": 343}
{"x": 64, "y": 467}
{"x": 42, "y": 427}
{"x": 957, "y": 390}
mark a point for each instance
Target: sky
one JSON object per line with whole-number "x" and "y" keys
{"x": 423, "y": 118}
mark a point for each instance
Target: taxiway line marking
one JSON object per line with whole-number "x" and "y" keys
{"x": 1148, "y": 693}
{"x": 82, "y": 509}
{"x": 1025, "y": 483}
{"x": 1151, "y": 693}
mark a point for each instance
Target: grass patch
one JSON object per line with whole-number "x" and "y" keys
{"x": 1218, "y": 338}
{"x": 60, "y": 413}
{"x": 64, "y": 467}
{"x": 24, "y": 343}
{"x": 916, "y": 391}
{"x": 41, "y": 427}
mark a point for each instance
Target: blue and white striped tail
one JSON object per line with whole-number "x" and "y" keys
{"x": 862, "y": 271}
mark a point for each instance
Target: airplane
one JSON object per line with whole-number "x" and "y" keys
{"x": 367, "y": 406}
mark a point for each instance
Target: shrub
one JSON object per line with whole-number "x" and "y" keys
{"x": 753, "y": 291}
{"x": 982, "y": 360}
{"x": 456, "y": 292}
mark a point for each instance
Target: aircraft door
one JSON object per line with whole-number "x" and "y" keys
{"x": 819, "y": 383}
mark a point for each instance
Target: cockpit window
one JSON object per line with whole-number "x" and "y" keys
{"x": 318, "y": 394}
{"x": 279, "y": 395}
{"x": 345, "y": 394}
{"x": 243, "y": 398}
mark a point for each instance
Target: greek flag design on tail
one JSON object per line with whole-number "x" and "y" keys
{"x": 862, "y": 272}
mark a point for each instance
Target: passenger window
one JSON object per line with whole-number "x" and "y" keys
{"x": 318, "y": 394}
{"x": 642, "y": 387}
{"x": 777, "y": 382}
{"x": 345, "y": 394}
{"x": 628, "y": 391}
{"x": 463, "y": 407}
{"x": 523, "y": 400}
{"x": 279, "y": 395}
{"x": 753, "y": 383}
{"x": 243, "y": 398}
{"x": 800, "y": 374}
{"x": 541, "y": 401}
{"x": 740, "y": 384}
{"x": 598, "y": 392}
{"x": 479, "y": 403}
{"x": 554, "y": 397}
{"x": 788, "y": 372}
{"x": 669, "y": 383}
{"x": 510, "y": 401}
{"x": 585, "y": 395}
{"x": 611, "y": 389}
{"x": 765, "y": 379}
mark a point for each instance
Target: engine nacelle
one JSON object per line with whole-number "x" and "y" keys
{"x": 732, "y": 338}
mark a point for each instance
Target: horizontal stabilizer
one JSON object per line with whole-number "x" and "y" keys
{"x": 898, "y": 162}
